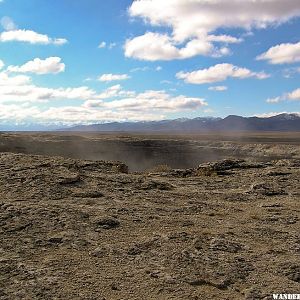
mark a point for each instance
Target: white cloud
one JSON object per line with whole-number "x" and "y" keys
{"x": 197, "y": 17}
{"x": 282, "y": 54}
{"x": 273, "y": 100}
{"x": 19, "y": 98}
{"x": 114, "y": 91}
{"x": 16, "y": 113}
{"x": 219, "y": 88}
{"x": 85, "y": 115}
{"x": 8, "y": 24}
{"x": 20, "y": 89}
{"x": 113, "y": 77}
{"x": 39, "y": 66}
{"x": 292, "y": 96}
{"x": 146, "y": 106}
{"x": 219, "y": 72}
{"x": 13, "y": 82}
{"x": 1, "y": 64}
{"x": 151, "y": 46}
{"x": 224, "y": 39}
{"x": 102, "y": 45}
{"x": 155, "y": 46}
{"x": 193, "y": 23}
{"x": 151, "y": 101}
{"x": 29, "y": 36}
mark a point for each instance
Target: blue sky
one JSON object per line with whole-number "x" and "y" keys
{"x": 90, "y": 61}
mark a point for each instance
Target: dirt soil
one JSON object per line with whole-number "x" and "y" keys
{"x": 75, "y": 229}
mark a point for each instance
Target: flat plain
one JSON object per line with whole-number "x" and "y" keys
{"x": 132, "y": 216}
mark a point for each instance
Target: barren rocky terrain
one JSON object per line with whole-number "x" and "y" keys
{"x": 86, "y": 229}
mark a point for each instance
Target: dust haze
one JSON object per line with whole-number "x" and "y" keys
{"x": 143, "y": 152}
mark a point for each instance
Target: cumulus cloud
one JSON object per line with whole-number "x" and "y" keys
{"x": 29, "y": 36}
{"x": 193, "y": 23}
{"x": 113, "y": 92}
{"x": 33, "y": 93}
{"x": 84, "y": 115}
{"x": 152, "y": 101}
{"x": 113, "y": 77}
{"x": 13, "y": 81}
{"x": 16, "y": 112}
{"x": 39, "y": 66}
{"x": 155, "y": 46}
{"x": 219, "y": 72}
{"x": 20, "y": 89}
{"x": 291, "y": 96}
{"x": 195, "y": 17}
{"x": 18, "y": 98}
{"x": 294, "y": 95}
{"x": 219, "y": 88}
{"x": 149, "y": 105}
{"x": 282, "y": 54}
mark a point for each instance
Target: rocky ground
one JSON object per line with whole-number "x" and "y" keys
{"x": 74, "y": 229}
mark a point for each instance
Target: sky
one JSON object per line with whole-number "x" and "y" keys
{"x": 66, "y": 62}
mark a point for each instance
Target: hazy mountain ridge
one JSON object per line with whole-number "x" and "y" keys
{"x": 281, "y": 122}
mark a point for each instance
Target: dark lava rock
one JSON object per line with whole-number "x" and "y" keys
{"x": 134, "y": 250}
{"x": 267, "y": 190}
{"x": 221, "y": 167}
{"x": 55, "y": 240}
{"x": 88, "y": 194}
{"x": 217, "y": 244}
{"x": 293, "y": 273}
{"x": 107, "y": 223}
{"x": 225, "y": 245}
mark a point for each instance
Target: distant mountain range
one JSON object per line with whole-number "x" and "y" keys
{"x": 281, "y": 122}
